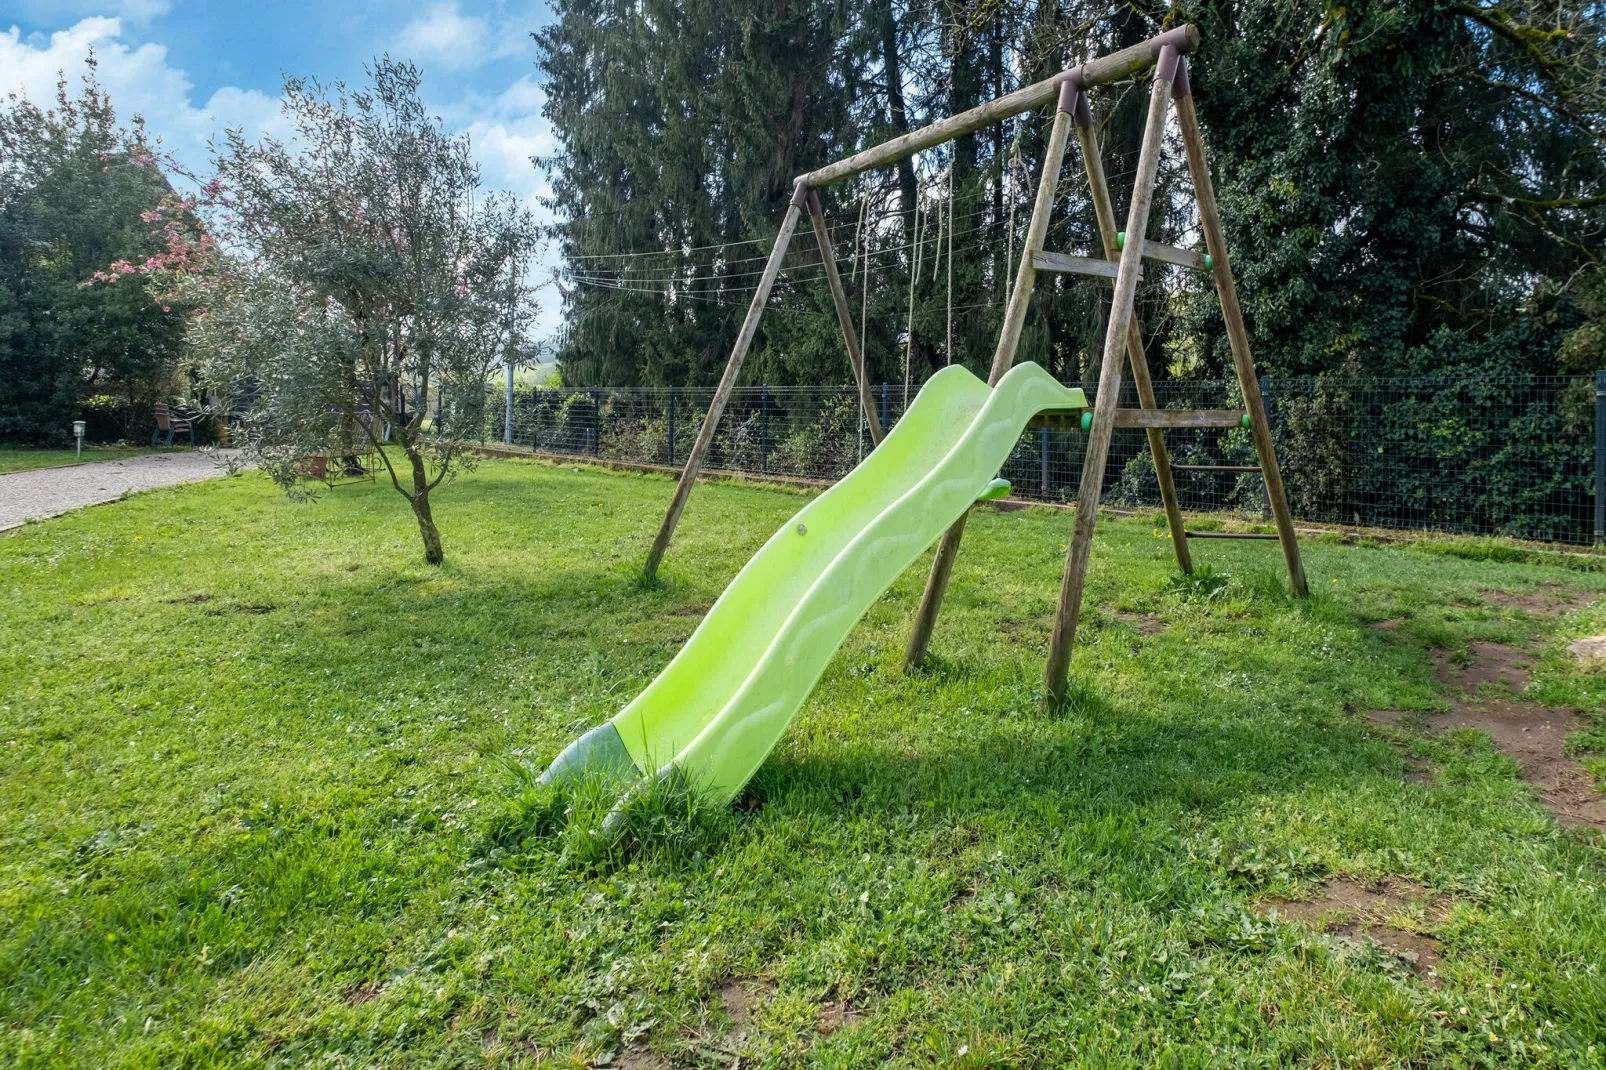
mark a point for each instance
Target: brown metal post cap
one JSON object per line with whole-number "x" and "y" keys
{"x": 800, "y": 192}
{"x": 1184, "y": 39}
{"x": 1180, "y": 86}
{"x": 1165, "y": 68}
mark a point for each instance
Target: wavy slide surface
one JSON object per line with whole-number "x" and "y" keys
{"x": 717, "y": 710}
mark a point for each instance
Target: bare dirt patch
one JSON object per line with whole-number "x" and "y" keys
{"x": 1390, "y": 625}
{"x": 689, "y": 611}
{"x": 733, "y": 1000}
{"x": 1359, "y": 912}
{"x": 366, "y": 992}
{"x": 1143, "y": 623}
{"x": 834, "y": 1016}
{"x": 1489, "y": 663}
{"x": 1417, "y": 770}
{"x": 1387, "y": 718}
{"x": 740, "y": 999}
{"x": 1550, "y": 600}
{"x": 1534, "y": 737}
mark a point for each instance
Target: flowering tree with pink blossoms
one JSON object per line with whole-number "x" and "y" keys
{"x": 73, "y": 182}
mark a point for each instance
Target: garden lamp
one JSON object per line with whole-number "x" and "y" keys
{"x": 78, "y": 435}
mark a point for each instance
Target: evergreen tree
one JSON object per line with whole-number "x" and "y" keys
{"x": 1407, "y": 188}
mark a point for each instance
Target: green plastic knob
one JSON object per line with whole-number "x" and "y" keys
{"x": 1244, "y": 421}
{"x": 998, "y": 488}
{"x": 1120, "y": 239}
{"x": 1087, "y": 420}
{"x": 1208, "y": 262}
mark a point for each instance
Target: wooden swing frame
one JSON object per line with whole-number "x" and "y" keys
{"x": 1165, "y": 55}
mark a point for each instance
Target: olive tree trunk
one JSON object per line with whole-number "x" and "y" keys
{"x": 426, "y": 520}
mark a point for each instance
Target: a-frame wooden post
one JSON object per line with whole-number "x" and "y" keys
{"x": 1003, "y": 357}
{"x": 1243, "y": 363}
{"x": 1170, "y": 73}
{"x": 844, "y": 316}
{"x": 1104, "y": 209}
{"x": 727, "y": 382}
{"x": 1109, "y": 392}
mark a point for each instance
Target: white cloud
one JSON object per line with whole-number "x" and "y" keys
{"x": 505, "y": 130}
{"x": 446, "y": 36}
{"x": 140, "y": 82}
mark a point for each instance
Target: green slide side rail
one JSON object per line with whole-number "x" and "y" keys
{"x": 721, "y": 705}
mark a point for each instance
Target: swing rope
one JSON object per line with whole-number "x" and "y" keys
{"x": 862, "y": 249}
{"x": 950, "y": 344}
{"x": 914, "y": 273}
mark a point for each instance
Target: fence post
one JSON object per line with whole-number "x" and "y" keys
{"x": 596, "y": 412}
{"x": 1265, "y": 403}
{"x": 671, "y": 425}
{"x": 507, "y": 420}
{"x": 1600, "y": 457}
{"x": 1043, "y": 462}
{"x": 764, "y": 429}
{"x": 884, "y": 408}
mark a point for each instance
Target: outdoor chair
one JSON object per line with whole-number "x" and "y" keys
{"x": 166, "y": 421}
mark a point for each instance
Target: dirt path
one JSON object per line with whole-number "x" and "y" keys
{"x": 1532, "y": 735}
{"x": 46, "y": 492}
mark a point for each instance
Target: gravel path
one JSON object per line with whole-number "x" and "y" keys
{"x": 47, "y": 492}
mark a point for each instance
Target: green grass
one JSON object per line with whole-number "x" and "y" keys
{"x": 21, "y": 458}
{"x": 265, "y": 800}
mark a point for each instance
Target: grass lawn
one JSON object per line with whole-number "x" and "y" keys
{"x": 20, "y": 459}
{"x": 262, "y": 802}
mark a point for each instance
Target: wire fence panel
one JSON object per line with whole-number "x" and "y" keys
{"x": 1496, "y": 456}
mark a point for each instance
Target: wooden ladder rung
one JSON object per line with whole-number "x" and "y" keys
{"x": 1058, "y": 420}
{"x": 1179, "y": 417}
{"x": 1215, "y": 468}
{"x": 1152, "y": 418}
{"x": 1188, "y": 258}
{"x": 1226, "y": 535}
{"x": 1077, "y": 265}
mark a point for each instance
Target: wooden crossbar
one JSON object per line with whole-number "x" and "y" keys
{"x": 1179, "y": 417}
{"x": 1157, "y": 418}
{"x": 1077, "y": 265}
{"x": 1188, "y": 258}
{"x": 1227, "y": 535}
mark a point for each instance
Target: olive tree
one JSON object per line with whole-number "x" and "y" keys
{"x": 365, "y": 270}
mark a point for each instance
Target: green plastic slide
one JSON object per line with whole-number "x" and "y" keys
{"x": 717, "y": 710}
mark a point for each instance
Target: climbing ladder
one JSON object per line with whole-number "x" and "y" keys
{"x": 1123, "y": 263}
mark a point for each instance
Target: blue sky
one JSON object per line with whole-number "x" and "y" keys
{"x": 195, "y": 67}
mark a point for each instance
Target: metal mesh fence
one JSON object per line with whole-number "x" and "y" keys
{"x": 1507, "y": 456}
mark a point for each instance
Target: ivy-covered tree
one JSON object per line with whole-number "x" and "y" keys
{"x": 1408, "y": 188}
{"x": 76, "y": 190}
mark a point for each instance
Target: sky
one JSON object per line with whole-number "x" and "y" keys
{"x": 194, "y": 68}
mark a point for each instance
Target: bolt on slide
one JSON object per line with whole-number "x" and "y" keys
{"x": 712, "y": 716}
